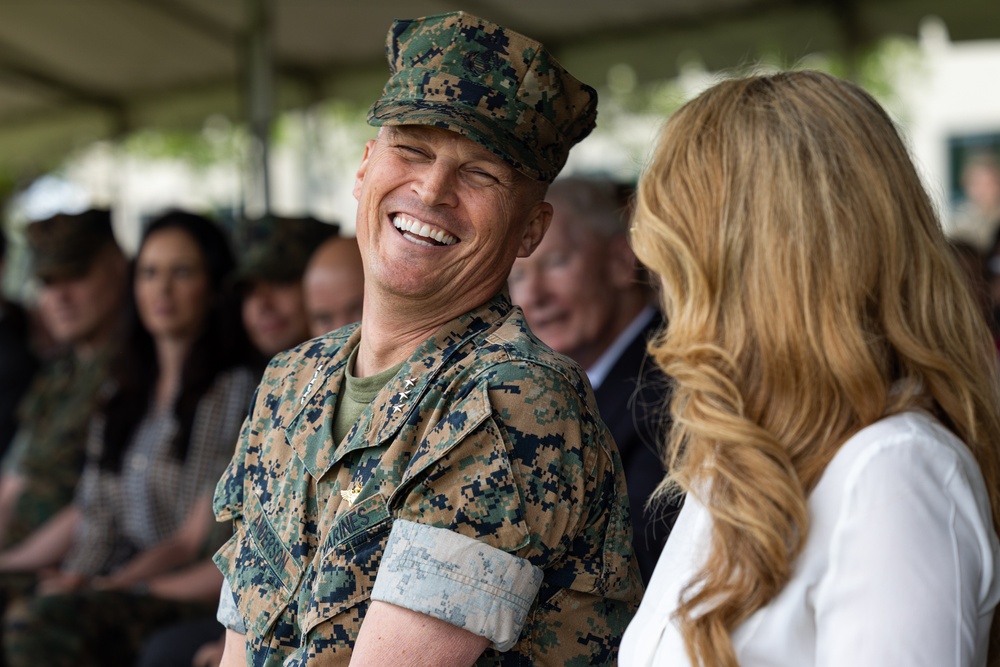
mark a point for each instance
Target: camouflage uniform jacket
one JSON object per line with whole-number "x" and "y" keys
{"x": 48, "y": 449}
{"x": 480, "y": 487}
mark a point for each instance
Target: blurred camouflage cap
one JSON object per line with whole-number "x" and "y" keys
{"x": 279, "y": 248}
{"x": 66, "y": 245}
{"x": 489, "y": 84}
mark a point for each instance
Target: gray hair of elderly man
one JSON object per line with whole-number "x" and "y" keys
{"x": 599, "y": 202}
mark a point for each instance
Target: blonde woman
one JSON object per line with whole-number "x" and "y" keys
{"x": 836, "y": 401}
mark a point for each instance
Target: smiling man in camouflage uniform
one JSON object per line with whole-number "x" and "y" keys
{"x": 435, "y": 486}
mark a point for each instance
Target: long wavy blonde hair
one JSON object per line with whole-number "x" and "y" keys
{"x": 804, "y": 275}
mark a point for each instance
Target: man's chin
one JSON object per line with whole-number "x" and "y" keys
{"x": 65, "y": 336}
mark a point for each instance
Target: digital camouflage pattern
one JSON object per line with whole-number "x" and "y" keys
{"x": 497, "y": 87}
{"x": 49, "y": 448}
{"x": 484, "y": 432}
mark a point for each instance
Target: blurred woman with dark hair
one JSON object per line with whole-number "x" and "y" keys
{"x": 165, "y": 432}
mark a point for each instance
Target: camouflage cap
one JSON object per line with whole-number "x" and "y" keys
{"x": 66, "y": 245}
{"x": 279, "y": 248}
{"x": 490, "y": 84}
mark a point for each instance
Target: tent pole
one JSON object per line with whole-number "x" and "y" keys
{"x": 847, "y": 15}
{"x": 259, "y": 54}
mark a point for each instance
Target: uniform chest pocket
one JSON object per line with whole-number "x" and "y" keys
{"x": 349, "y": 561}
{"x": 264, "y": 571}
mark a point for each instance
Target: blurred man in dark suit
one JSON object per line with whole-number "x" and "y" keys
{"x": 584, "y": 295}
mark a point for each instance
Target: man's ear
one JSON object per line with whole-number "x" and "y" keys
{"x": 622, "y": 264}
{"x": 534, "y": 230}
{"x": 359, "y": 176}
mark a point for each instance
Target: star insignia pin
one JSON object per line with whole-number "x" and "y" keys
{"x": 397, "y": 408}
{"x": 410, "y": 382}
{"x": 351, "y": 494}
{"x": 309, "y": 387}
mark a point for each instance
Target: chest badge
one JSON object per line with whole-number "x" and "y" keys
{"x": 351, "y": 494}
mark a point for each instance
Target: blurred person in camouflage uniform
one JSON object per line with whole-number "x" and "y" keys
{"x": 83, "y": 278}
{"x": 269, "y": 280}
{"x": 18, "y": 361}
{"x": 435, "y": 486}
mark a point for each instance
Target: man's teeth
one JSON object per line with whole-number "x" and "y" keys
{"x": 414, "y": 227}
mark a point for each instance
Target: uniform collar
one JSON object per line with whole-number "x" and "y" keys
{"x": 310, "y": 430}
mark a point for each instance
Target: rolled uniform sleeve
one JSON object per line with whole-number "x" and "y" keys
{"x": 458, "y": 580}
{"x": 228, "y": 613}
{"x": 511, "y": 500}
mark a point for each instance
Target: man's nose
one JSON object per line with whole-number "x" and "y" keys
{"x": 165, "y": 283}
{"x": 435, "y": 185}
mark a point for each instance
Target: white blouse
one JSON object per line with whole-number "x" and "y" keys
{"x": 898, "y": 567}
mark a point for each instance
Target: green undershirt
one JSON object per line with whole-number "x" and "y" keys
{"x": 356, "y": 395}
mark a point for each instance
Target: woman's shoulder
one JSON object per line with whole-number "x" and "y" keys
{"x": 909, "y": 441}
{"x": 909, "y": 462}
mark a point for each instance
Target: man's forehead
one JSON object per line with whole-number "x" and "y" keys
{"x": 571, "y": 226}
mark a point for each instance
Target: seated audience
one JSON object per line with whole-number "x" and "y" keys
{"x": 333, "y": 289}
{"x": 129, "y": 555}
{"x": 836, "y": 402}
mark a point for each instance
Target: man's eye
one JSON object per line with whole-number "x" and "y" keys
{"x": 483, "y": 176}
{"x": 412, "y": 151}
